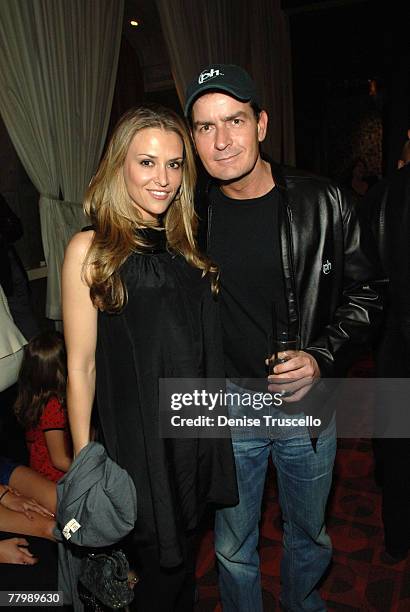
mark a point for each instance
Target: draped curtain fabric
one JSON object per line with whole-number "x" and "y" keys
{"x": 58, "y": 62}
{"x": 254, "y": 35}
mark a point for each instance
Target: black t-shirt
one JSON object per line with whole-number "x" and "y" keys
{"x": 244, "y": 243}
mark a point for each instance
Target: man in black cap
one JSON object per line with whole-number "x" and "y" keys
{"x": 292, "y": 259}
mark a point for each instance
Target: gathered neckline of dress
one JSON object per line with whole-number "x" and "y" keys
{"x": 156, "y": 239}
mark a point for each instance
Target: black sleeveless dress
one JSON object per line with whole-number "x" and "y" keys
{"x": 168, "y": 328}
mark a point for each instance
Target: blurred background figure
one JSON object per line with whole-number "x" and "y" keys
{"x": 27, "y": 500}
{"x": 12, "y": 342}
{"x": 27, "y": 506}
{"x": 387, "y": 207}
{"x": 405, "y": 153}
{"x": 20, "y": 511}
{"x": 13, "y": 276}
{"x": 357, "y": 178}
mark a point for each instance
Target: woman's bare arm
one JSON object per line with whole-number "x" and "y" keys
{"x": 80, "y": 332}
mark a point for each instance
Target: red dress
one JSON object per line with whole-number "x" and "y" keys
{"x": 53, "y": 417}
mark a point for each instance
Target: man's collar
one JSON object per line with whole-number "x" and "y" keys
{"x": 277, "y": 172}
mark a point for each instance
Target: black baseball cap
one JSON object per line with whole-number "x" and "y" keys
{"x": 228, "y": 78}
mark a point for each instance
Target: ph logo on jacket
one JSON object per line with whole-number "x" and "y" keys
{"x": 326, "y": 267}
{"x": 209, "y": 74}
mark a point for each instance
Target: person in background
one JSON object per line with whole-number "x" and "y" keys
{"x": 292, "y": 240}
{"x": 12, "y": 344}
{"x": 28, "y": 563}
{"x": 22, "y": 516}
{"x": 139, "y": 305}
{"x": 15, "y": 551}
{"x": 29, "y": 483}
{"x": 13, "y": 276}
{"x": 357, "y": 178}
{"x": 40, "y": 405}
{"x": 387, "y": 209}
{"x": 405, "y": 153}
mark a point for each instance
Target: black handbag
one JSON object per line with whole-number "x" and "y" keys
{"x": 104, "y": 581}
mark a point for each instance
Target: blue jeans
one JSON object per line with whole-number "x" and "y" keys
{"x": 304, "y": 479}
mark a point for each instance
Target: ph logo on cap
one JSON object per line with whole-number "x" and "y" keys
{"x": 209, "y": 74}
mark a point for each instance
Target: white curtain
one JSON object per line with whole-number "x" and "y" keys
{"x": 58, "y": 63}
{"x": 253, "y": 35}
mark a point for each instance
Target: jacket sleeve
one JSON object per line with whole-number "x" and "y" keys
{"x": 357, "y": 317}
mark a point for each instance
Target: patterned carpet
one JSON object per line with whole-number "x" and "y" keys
{"x": 358, "y": 579}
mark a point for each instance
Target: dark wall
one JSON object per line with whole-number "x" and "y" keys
{"x": 337, "y": 49}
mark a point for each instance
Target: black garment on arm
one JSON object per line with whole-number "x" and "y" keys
{"x": 244, "y": 242}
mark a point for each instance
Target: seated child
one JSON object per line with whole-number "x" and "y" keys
{"x": 40, "y": 405}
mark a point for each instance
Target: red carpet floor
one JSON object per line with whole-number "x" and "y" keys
{"x": 357, "y": 579}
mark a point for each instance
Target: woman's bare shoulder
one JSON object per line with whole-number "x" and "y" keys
{"x": 79, "y": 244}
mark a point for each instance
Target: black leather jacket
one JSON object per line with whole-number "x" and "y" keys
{"x": 330, "y": 266}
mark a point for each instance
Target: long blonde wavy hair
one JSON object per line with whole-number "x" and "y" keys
{"x": 115, "y": 217}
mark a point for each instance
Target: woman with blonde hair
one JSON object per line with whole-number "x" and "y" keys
{"x": 139, "y": 305}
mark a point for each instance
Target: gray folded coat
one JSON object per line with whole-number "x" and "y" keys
{"x": 96, "y": 507}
